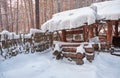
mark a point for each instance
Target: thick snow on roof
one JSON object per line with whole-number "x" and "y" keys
{"x": 70, "y": 19}
{"x": 108, "y": 10}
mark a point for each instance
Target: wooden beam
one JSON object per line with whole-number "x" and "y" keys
{"x": 74, "y": 32}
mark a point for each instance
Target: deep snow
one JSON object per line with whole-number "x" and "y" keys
{"x": 44, "y": 65}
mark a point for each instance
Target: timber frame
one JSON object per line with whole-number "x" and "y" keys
{"x": 89, "y": 31}
{"x": 69, "y": 47}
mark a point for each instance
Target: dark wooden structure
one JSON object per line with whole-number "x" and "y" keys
{"x": 108, "y": 38}
{"x": 90, "y": 31}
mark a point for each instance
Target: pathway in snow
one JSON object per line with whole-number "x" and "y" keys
{"x": 45, "y": 66}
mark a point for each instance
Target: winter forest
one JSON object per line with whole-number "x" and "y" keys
{"x": 20, "y": 15}
{"x": 59, "y": 38}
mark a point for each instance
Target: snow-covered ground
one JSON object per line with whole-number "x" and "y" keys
{"x": 44, "y": 65}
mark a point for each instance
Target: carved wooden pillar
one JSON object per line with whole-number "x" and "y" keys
{"x": 109, "y": 32}
{"x": 64, "y": 35}
{"x": 116, "y": 29}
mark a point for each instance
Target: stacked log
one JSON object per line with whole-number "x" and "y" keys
{"x": 89, "y": 53}
{"x": 80, "y": 57}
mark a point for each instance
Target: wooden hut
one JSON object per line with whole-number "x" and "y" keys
{"x": 80, "y": 25}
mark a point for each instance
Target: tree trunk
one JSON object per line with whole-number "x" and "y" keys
{"x": 27, "y": 15}
{"x": 1, "y": 18}
{"x": 17, "y": 16}
{"x": 37, "y": 13}
{"x": 11, "y": 15}
{"x": 6, "y": 14}
{"x": 31, "y": 13}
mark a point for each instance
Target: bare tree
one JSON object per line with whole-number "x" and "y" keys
{"x": 1, "y": 25}
{"x": 37, "y": 13}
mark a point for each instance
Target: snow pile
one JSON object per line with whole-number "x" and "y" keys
{"x": 70, "y": 19}
{"x": 32, "y": 31}
{"x": 89, "y": 45}
{"x": 94, "y": 40}
{"x": 45, "y": 66}
{"x": 9, "y": 35}
{"x": 108, "y": 10}
{"x": 80, "y": 49}
{"x": 57, "y": 47}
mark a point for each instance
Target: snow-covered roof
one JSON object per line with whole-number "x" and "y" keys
{"x": 70, "y": 19}
{"x": 108, "y": 10}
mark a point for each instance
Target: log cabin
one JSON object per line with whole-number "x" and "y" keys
{"x": 78, "y": 26}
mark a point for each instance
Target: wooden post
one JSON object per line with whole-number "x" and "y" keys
{"x": 85, "y": 33}
{"x": 116, "y": 29}
{"x": 63, "y": 35}
{"x": 96, "y": 30}
{"x": 109, "y": 32}
{"x": 90, "y": 35}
